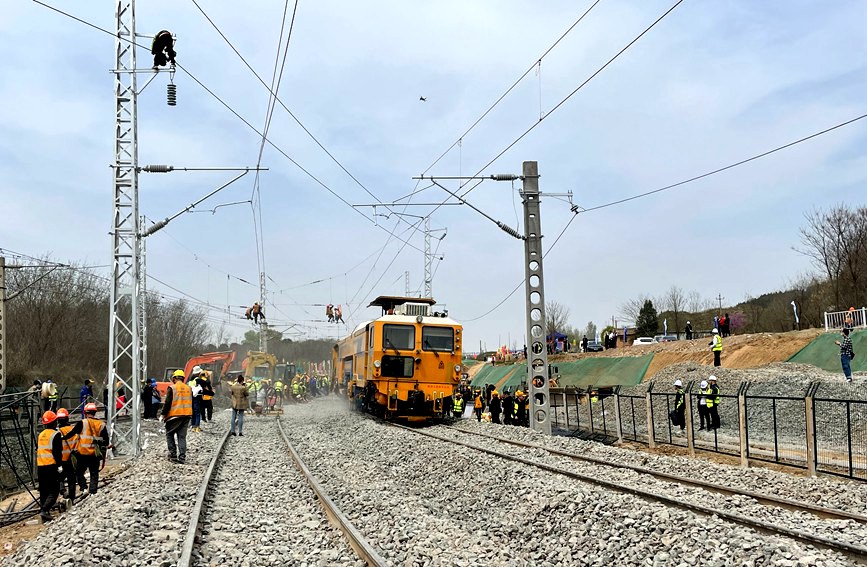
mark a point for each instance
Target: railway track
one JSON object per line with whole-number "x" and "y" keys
{"x": 253, "y": 502}
{"x": 648, "y": 484}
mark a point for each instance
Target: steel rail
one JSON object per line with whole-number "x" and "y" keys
{"x": 851, "y": 550}
{"x": 338, "y": 519}
{"x": 198, "y": 512}
{"x": 767, "y": 499}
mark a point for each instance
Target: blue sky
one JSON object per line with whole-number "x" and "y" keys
{"x": 713, "y": 83}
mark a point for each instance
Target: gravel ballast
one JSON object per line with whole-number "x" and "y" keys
{"x": 427, "y": 502}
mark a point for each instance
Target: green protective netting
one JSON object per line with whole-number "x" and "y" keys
{"x": 625, "y": 371}
{"x": 823, "y": 353}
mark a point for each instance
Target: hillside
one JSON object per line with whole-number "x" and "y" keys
{"x": 740, "y": 351}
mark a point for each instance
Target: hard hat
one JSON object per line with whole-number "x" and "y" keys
{"x": 178, "y": 373}
{"x": 703, "y": 384}
{"x": 62, "y": 412}
{"x": 519, "y": 393}
{"x": 678, "y": 383}
{"x": 495, "y": 393}
{"x": 712, "y": 378}
{"x": 715, "y": 331}
{"x": 197, "y": 369}
{"x": 90, "y": 408}
{"x": 48, "y": 417}
{"x": 153, "y": 381}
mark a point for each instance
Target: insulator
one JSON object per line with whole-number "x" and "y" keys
{"x": 172, "y": 94}
{"x": 504, "y": 177}
{"x": 509, "y": 230}
{"x": 158, "y": 168}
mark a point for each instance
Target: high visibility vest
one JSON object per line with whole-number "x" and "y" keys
{"x": 678, "y": 399}
{"x": 182, "y": 401}
{"x": 44, "y": 455}
{"x": 594, "y": 399}
{"x": 206, "y": 396}
{"x": 295, "y": 387}
{"x": 715, "y": 390}
{"x": 708, "y": 399}
{"x": 53, "y": 395}
{"x": 458, "y": 406}
{"x": 478, "y": 403}
{"x": 90, "y": 429}
{"x": 718, "y": 346}
{"x": 278, "y": 386}
{"x": 69, "y": 445}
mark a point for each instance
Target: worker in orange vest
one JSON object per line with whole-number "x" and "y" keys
{"x": 70, "y": 445}
{"x": 177, "y": 413}
{"x": 92, "y": 445}
{"x": 49, "y": 454}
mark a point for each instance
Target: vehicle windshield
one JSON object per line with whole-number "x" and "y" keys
{"x": 438, "y": 338}
{"x": 397, "y": 366}
{"x": 398, "y": 337}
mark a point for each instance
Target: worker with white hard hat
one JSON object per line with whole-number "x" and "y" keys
{"x": 716, "y": 347}
{"x": 703, "y": 409}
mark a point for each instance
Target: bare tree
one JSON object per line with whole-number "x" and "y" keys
{"x": 630, "y": 310}
{"x": 674, "y": 300}
{"x": 557, "y": 315}
{"x": 590, "y": 330}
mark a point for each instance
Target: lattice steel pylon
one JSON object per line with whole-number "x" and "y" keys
{"x": 124, "y": 365}
{"x": 428, "y": 260}
{"x": 263, "y": 326}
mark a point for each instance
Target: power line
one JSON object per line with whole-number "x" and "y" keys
{"x": 578, "y": 88}
{"x": 518, "y": 80}
{"x": 727, "y": 167}
{"x": 233, "y": 111}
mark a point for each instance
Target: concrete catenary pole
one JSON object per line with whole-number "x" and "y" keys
{"x": 537, "y": 363}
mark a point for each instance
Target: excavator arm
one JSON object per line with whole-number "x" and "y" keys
{"x": 209, "y": 358}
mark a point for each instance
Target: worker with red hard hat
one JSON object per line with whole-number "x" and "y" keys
{"x": 69, "y": 440}
{"x": 49, "y": 455}
{"x": 92, "y": 445}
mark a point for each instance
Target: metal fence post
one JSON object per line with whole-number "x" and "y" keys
{"x": 742, "y": 422}
{"x": 590, "y": 406}
{"x": 811, "y": 428}
{"x": 687, "y": 400}
{"x": 617, "y": 415}
{"x": 651, "y": 442}
{"x": 566, "y": 407}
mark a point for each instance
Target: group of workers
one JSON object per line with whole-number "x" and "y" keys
{"x": 65, "y": 452}
{"x": 335, "y": 313}
{"x": 268, "y": 395}
{"x": 488, "y": 404}
{"x": 254, "y": 313}
{"x": 708, "y": 405}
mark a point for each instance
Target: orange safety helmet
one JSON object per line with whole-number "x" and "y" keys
{"x": 62, "y": 413}
{"x": 90, "y": 408}
{"x": 48, "y": 417}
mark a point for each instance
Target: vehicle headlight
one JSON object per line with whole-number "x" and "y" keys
{"x": 457, "y": 367}
{"x": 377, "y": 363}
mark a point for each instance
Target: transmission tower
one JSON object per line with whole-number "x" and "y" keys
{"x": 263, "y": 326}
{"x": 124, "y": 364}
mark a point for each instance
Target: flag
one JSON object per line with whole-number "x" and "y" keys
{"x": 795, "y": 309}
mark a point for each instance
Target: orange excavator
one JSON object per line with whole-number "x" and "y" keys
{"x": 207, "y": 359}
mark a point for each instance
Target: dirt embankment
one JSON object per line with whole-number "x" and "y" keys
{"x": 739, "y": 351}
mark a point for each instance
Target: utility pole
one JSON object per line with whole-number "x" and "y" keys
{"x": 428, "y": 261}
{"x": 534, "y": 289}
{"x": 124, "y": 364}
{"x": 263, "y": 326}
{"x": 2, "y": 324}
{"x": 720, "y": 299}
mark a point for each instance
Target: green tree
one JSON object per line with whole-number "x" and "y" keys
{"x": 647, "y": 323}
